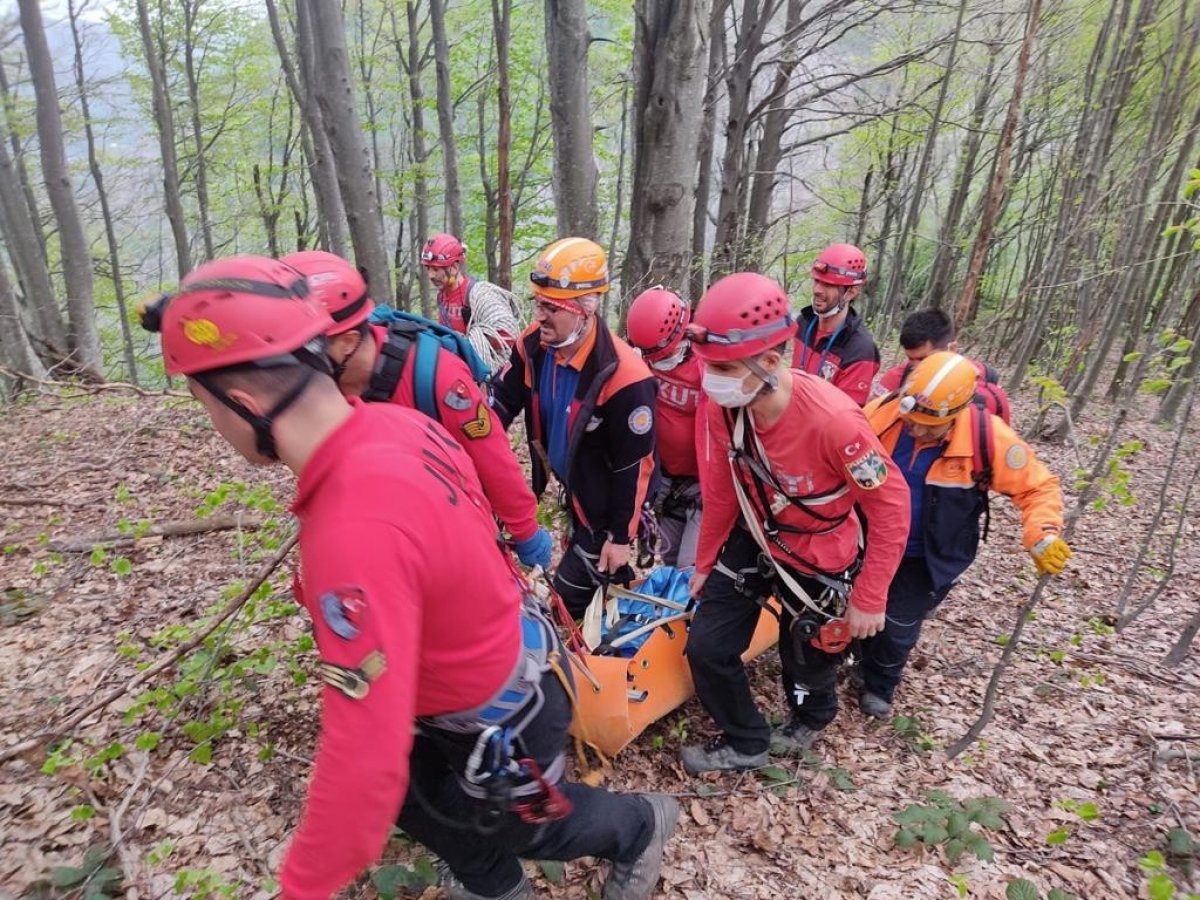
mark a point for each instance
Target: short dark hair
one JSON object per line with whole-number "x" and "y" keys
{"x": 268, "y": 384}
{"x": 930, "y": 326}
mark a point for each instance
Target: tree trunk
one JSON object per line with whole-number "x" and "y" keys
{"x": 20, "y": 236}
{"x": 412, "y": 63}
{"x": 898, "y": 283}
{"x": 110, "y": 232}
{"x": 775, "y": 121}
{"x": 707, "y": 140}
{"x": 445, "y": 109}
{"x": 82, "y": 336}
{"x": 331, "y": 215}
{"x": 164, "y": 121}
{"x": 967, "y": 301}
{"x": 490, "y": 240}
{"x": 339, "y": 115}
{"x": 948, "y": 253}
{"x": 575, "y": 172}
{"x": 669, "y": 72}
{"x": 739, "y": 82}
{"x": 502, "y": 29}
{"x": 191, "y": 9}
{"x": 18, "y": 158}
{"x": 366, "y": 69}
{"x": 15, "y": 350}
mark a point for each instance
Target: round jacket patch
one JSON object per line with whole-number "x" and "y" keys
{"x": 641, "y": 420}
{"x": 1016, "y": 457}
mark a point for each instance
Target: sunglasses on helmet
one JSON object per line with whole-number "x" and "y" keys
{"x": 541, "y": 279}
{"x": 823, "y": 268}
{"x": 701, "y": 335}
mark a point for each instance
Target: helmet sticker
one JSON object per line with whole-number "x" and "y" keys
{"x": 206, "y": 333}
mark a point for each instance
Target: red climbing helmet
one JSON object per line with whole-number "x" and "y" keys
{"x": 243, "y": 309}
{"x": 335, "y": 282}
{"x": 658, "y": 319}
{"x": 841, "y": 264}
{"x": 741, "y": 316}
{"x": 442, "y": 251}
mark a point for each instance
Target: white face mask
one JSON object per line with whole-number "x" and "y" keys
{"x": 576, "y": 333}
{"x": 726, "y": 390}
{"x": 666, "y": 364}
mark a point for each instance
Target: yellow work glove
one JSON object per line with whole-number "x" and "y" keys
{"x": 1050, "y": 554}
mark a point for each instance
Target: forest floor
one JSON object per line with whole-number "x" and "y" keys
{"x": 199, "y": 774}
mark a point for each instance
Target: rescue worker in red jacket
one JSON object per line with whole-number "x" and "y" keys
{"x": 657, "y": 325}
{"x": 484, "y": 312}
{"x": 786, "y": 461}
{"x": 950, "y": 457}
{"x": 925, "y": 332}
{"x": 833, "y": 342}
{"x": 588, "y": 401}
{"x": 388, "y": 506}
{"x": 356, "y": 349}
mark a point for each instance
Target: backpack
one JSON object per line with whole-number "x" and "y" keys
{"x": 405, "y": 330}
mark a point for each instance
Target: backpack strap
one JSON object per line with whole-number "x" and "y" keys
{"x": 393, "y": 356}
{"x": 425, "y": 374}
{"x": 981, "y": 460}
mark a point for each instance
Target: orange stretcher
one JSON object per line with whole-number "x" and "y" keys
{"x": 617, "y": 697}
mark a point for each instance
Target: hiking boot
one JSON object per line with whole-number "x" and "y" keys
{"x": 637, "y": 880}
{"x": 874, "y": 706}
{"x": 455, "y": 890}
{"x": 718, "y": 756}
{"x": 792, "y": 739}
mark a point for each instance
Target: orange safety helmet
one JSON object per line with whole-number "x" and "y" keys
{"x": 568, "y": 269}
{"x": 938, "y": 388}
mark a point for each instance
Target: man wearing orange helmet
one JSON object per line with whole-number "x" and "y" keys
{"x": 925, "y": 332}
{"x": 657, "y": 325}
{"x": 833, "y": 342}
{"x": 359, "y": 351}
{"x": 383, "y": 492}
{"x": 786, "y": 463}
{"x": 952, "y": 453}
{"x": 484, "y": 312}
{"x": 588, "y": 401}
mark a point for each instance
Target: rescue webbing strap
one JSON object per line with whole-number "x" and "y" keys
{"x": 756, "y": 530}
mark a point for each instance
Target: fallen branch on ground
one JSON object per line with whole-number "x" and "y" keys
{"x": 94, "y": 388}
{"x": 87, "y": 543}
{"x": 65, "y": 726}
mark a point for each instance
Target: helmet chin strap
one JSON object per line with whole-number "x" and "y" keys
{"x": 830, "y": 313}
{"x": 339, "y": 368}
{"x": 769, "y": 379}
{"x": 575, "y": 334}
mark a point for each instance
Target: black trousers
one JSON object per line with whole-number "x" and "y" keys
{"x": 602, "y": 824}
{"x": 721, "y": 631}
{"x": 576, "y": 578}
{"x": 911, "y": 598}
